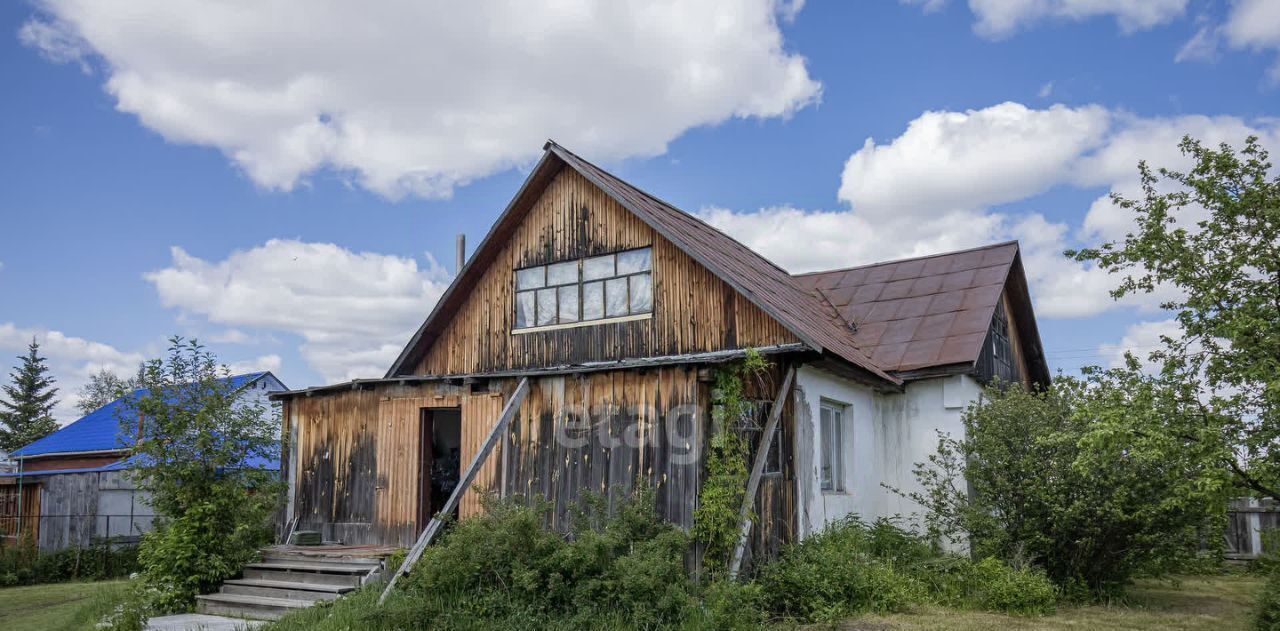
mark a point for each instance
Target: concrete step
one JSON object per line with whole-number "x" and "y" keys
{"x": 316, "y": 557}
{"x": 251, "y": 607}
{"x": 304, "y": 576}
{"x": 291, "y": 590}
{"x": 314, "y": 566}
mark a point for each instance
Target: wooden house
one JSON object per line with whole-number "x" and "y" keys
{"x": 617, "y": 307}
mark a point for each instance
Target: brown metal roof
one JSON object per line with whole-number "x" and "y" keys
{"x": 920, "y": 312}
{"x": 880, "y": 319}
{"x": 771, "y": 288}
{"x": 755, "y": 277}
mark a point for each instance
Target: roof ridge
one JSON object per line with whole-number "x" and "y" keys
{"x": 989, "y": 246}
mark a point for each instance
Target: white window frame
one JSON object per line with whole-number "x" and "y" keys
{"x": 831, "y": 455}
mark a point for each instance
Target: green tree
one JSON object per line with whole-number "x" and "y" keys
{"x": 1070, "y": 479}
{"x": 102, "y": 388}
{"x": 27, "y": 413}
{"x": 197, "y": 437}
{"x": 1213, "y": 235}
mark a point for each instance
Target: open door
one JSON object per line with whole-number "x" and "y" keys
{"x": 439, "y": 460}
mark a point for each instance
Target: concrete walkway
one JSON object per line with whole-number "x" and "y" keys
{"x": 200, "y": 622}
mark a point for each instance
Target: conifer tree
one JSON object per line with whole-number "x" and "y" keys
{"x": 26, "y": 409}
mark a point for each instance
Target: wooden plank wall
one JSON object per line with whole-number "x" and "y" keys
{"x": 604, "y": 433}
{"x": 357, "y": 456}
{"x": 694, "y": 311}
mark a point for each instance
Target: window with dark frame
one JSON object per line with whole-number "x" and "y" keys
{"x": 1001, "y": 351}
{"x": 595, "y": 288}
{"x": 755, "y": 416}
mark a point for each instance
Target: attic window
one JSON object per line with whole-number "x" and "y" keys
{"x": 592, "y": 290}
{"x": 1001, "y": 350}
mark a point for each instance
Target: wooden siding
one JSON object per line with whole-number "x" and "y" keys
{"x": 604, "y": 432}
{"x": 49, "y": 463}
{"x": 985, "y": 369}
{"x": 694, "y": 311}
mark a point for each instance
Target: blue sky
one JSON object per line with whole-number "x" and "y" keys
{"x": 275, "y": 181}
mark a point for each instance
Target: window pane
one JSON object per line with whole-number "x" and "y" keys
{"x": 592, "y": 301}
{"x": 562, "y": 273}
{"x": 546, "y": 306}
{"x": 530, "y": 278}
{"x": 837, "y": 449}
{"x": 635, "y": 261}
{"x": 569, "y": 303}
{"x": 773, "y": 459}
{"x": 524, "y": 309}
{"x": 615, "y": 297}
{"x": 825, "y": 429}
{"x": 597, "y": 268}
{"x": 641, "y": 294}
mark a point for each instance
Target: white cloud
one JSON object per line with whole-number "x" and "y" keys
{"x": 970, "y": 159}
{"x": 71, "y": 360}
{"x": 258, "y": 364}
{"x": 997, "y": 19}
{"x": 1252, "y": 25}
{"x": 1203, "y": 46}
{"x": 1140, "y": 339}
{"x": 1046, "y": 90}
{"x": 414, "y": 98}
{"x": 354, "y": 310}
{"x": 933, "y": 189}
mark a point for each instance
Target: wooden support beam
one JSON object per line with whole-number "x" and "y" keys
{"x": 508, "y": 411}
{"x": 757, "y": 470}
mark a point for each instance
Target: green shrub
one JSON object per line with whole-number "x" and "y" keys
{"x": 1068, "y": 479}
{"x": 852, "y": 568}
{"x": 1266, "y": 615}
{"x": 837, "y": 573}
{"x": 992, "y": 585}
{"x": 24, "y": 564}
{"x": 505, "y": 569}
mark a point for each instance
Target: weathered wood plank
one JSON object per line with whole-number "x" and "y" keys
{"x": 473, "y": 469}
{"x": 757, "y": 470}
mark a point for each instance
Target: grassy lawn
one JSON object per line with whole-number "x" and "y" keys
{"x": 56, "y": 606}
{"x": 1216, "y": 602}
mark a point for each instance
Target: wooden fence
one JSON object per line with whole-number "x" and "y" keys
{"x": 1247, "y": 519}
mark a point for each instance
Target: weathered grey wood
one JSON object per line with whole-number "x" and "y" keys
{"x": 499, "y": 430}
{"x": 757, "y": 469}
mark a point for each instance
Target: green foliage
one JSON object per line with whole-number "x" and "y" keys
{"x": 505, "y": 566}
{"x": 1213, "y": 234}
{"x": 506, "y": 570}
{"x": 1266, "y": 613}
{"x": 102, "y": 388}
{"x": 24, "y": 564}
{"x": 1068, "y": 480}
{"x": 27, "y": 414}
{"x": 1268, "y": 562}
{"x": 853, "y": 568}
{"x": 724, "y": 485}
{"x": 214, "y": 512}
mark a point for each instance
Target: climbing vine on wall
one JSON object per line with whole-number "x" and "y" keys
{"x": 715, "y": 520}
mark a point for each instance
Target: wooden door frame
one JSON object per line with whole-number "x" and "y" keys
{"x": 426, "y": 458}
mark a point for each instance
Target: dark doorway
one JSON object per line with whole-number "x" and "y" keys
{"x": 440, "y": 460}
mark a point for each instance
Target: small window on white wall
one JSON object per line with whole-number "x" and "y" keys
{"x": 832, "y": 429}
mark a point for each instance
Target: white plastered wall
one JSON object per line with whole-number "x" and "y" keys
{"x": 885, "y": 435}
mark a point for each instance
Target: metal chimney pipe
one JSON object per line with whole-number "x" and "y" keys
{"x": 462, "y": 253}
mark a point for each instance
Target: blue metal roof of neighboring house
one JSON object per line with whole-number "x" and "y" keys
{"x": 253, "y": 462}
{"x": 99, "y": 430}
{"x": 118, "y": 465}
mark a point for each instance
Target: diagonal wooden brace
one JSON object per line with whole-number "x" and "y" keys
{"x": 757, "y": 470}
